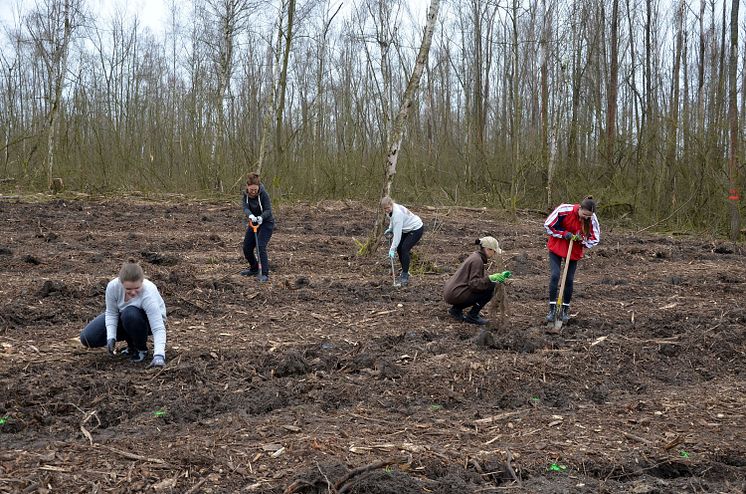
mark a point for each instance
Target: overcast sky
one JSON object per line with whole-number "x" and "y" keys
{"x": 152, "y": 13}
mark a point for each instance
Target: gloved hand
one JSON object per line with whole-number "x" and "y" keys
{"x": 388, "y": 234}
{"x": 252, "y": 218}
{"x": 259, "y": 220}
{"x": 158, "y": 361}
{"x": 500, "y": 277}
{"x": 111, "y": 344}
{"x": 568, "y": 235}
{"x": 392, "y": 253}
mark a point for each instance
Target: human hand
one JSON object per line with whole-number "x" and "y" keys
{"x": 111, "y": 344}
{"x": 158, "y": 361}
{"x": 568, "y": 235}
{"x": 258, "y": 220}
{"x": 388, "y": 234}
{"x": 392, "y": 253}
{"x": 252, "y": 218}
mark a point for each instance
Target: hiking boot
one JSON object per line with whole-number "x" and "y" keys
{"x": 455, "y": 313}
{"x": 404, "y": 279}
{"x": 552, "y": 311}
{"x": 139, "y": 356}
{"x": 565, "y": 313}
{"x": 473, "y": 317}
{"x": 127, "y": 352}
{"x": 251, "y": 271}
{"x": 263, "y": 278}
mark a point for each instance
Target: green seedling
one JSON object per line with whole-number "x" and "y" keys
{"x": 535, "y": 399}
{"x": 684, "y": 454}
{"x": 159, "y": 414}
{"x": 435, "y": 407}
{"x": 389, "y": 470}
{"x": 4, "y": 420}
{"x": 557, "y": 468}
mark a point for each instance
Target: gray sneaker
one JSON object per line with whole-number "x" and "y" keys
{"x": 404, "y": 279}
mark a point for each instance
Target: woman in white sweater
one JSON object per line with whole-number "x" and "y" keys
{"x": 134, "y": 309}
{"x": 405, "y": 230}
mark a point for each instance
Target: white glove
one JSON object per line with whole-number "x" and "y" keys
{"x": 252, "y": 218}
{"x": 259, "y": 220}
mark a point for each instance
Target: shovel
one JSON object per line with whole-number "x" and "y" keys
{"x": 255, "y": 227}
{"x": 556, "y": 326}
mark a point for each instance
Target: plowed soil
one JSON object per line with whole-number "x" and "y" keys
{"x": 329, "y": 379}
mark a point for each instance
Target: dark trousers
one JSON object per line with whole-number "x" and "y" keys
{"x": 249, "y": 244}
{"x": 408, "y": 240}
{"x": 133, "y": 327}
{"x": 555, "y": 266}
{"x": 477, "y": 299}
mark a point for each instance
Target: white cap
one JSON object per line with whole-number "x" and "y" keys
{"x": 490, "y": 243}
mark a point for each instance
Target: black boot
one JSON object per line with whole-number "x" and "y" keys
{"x": 552, "y": 311}
{"x": 565, "y": 314}
{"x": 456, "y": 313}
{"x": 473, "y": 317}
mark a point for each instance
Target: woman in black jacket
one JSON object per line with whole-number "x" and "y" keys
{"x": 258, "y": 208}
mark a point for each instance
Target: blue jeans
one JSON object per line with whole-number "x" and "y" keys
{"x": 133, "y": 327}
{"x": 555, "y": 264}
{"x": 249, "y": 243}
{"x": 408, "y": 240}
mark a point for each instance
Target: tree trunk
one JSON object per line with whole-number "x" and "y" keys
{"x": 397, "y": 130}
{"x": 733, "y": 198}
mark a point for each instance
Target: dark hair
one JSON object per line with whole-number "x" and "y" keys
{"x": 253, "y": 179}
{"x": 589, "y": 204}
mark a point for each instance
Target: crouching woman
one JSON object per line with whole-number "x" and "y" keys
{"x": 471, "y": 286}
{"x": 134, "y": 310}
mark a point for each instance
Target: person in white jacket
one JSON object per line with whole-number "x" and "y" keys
{"x": 134, "y": 309}
{"x": 405, "y": 230}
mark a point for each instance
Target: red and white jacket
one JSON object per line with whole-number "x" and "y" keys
{"x": 565, "y": 219}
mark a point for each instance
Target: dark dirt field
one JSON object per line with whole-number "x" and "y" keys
{"x": 328, "y": 379}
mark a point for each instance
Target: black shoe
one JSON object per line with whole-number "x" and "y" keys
{"x": 455, "y": 313}
{"x": 250, "y": 271}
{"x": 139, "y": 356}
{"x": 552, "y": 311}
{"x": 565, "y": 314}
{"x": 475, "y": 318}
{"x": 404, "y": 279}
{"x": 127, "y": 352}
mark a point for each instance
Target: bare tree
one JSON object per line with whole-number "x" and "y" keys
{"x": 733, "y": 198}
{"x": 397, "y": 130}
{"x": 52, "y": 26}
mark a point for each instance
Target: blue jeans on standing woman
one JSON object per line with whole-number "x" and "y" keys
{"x": 249, "y": 244}
{"x": 133, "y": 327}
{"x": 555, "y": 265}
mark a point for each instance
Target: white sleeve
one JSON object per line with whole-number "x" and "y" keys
{"x": 111, "y": 316}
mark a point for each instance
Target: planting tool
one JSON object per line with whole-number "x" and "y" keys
{"x": 255, "y": 227}
{"x": 556, "y": 325}
{"x": 393, "y": 273}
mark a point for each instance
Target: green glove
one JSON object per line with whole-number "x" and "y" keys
{"x": 500, "y": 277}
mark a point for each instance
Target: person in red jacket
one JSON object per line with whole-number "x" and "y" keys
{"x": 569, "y": 221}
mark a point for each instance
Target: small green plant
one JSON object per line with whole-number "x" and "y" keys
{"x": 684, "y": 454}
{"x": 389, "y": 470}
{"x": 4, "y": 420}
{"x": 160, "y": 413}
{"x": 435, "y": 407}
{"x": 554, "y": 467}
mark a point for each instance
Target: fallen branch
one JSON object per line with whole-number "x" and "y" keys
{"x": 133, "y": 456}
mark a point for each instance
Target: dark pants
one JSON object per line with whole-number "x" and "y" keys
{"x": 477, "y": 299}
{"x": 249, "y": 243}
{"x": 408, "y": 240}
{"x": 555, "y": 265}
{"x": 133, "y": 327}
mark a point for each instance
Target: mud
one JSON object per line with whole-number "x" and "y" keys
{"x": 329, "y": 379}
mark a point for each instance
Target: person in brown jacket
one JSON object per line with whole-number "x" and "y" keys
{"x": 470, "y": 286}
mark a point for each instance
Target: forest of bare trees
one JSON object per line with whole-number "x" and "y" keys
{"x": 520, "y": 104}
